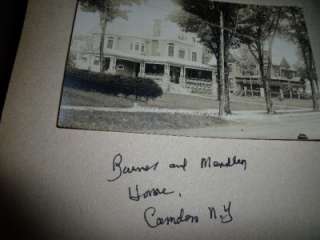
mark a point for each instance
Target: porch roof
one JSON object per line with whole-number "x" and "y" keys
{"x": 273, "y": 78}
{"x": 157, "y": 59}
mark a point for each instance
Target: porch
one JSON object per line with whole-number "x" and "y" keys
{"x": 280, "y": 87}
{"x": 192, "y": 79}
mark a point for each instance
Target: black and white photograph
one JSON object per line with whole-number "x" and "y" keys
{"x": 191, "y": 68}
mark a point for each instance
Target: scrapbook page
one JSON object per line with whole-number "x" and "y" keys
{"x": 171, "y": 119}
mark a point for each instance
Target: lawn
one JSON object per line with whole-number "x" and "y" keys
{"x": 155, "y": 122}
{"x": 133, "y": 122}
{"x": 77, "y": 97}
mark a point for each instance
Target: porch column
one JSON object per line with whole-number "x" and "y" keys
{"x": 166, "y": 78}
{"x": 290, "y": 89}
{"x": 142, "y": 69}
{"x": 182, "y": 76}
{"x": 251, "y": 89}
{"x": 167, "y": 70}
{"x": 281, "y": 94}
{"x": 261, "y": 92}
{"x": 214, "y": 85}
{"x": 78, "y": 59}
{"x": 112, "y": 65}
{"x": 89, "y": 62}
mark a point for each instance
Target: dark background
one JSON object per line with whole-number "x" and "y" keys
{"x": 15, "y": 223}
{"x": 11, "y": 22}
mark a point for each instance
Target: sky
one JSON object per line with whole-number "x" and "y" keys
{"x": 140, "y": 20}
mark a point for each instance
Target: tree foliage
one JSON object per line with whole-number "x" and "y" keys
{"x": 108, "y": 10}
{"x": 203, "y": 19}
{"x": 296, "y": 31}
{"x": 257, "y": 29}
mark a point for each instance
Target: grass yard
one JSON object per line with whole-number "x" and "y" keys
{"x": 76, "y": 97}
{"x": 133, "y": 122}
{"x": 176, "y": 123}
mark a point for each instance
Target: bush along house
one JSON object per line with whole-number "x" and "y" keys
{"x": 178, "y": 63}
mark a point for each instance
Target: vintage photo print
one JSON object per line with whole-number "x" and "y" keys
{"x": 191, "y": 68}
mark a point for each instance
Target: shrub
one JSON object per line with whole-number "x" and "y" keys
{"x": 112, "y": 84}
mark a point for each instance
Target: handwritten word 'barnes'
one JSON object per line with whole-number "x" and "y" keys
{"x": 154, "y": 221}
{"x": 119, "y": 169}
{"x": 231, "y": 162}
{"x": 136, "y": 195}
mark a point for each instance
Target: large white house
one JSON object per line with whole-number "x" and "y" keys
{"x": 178, "y": 63}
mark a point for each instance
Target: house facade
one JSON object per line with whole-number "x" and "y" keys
{"x": 245, "y": 78}
{"x": 178, "y": 64}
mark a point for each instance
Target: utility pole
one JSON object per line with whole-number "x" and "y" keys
{"x": 222, "y": 82}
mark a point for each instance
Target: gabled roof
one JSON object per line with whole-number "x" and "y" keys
{"x": 284, "y": 63}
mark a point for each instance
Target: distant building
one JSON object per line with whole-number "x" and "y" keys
{"x": 178, "y": 63}
{"x": 245, "y": 77}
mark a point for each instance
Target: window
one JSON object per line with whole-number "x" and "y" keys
{"x": 136, "y": 47}
{"x": 142, "y": 47}
{"x": 110, "y": 42}
{"x": 131, "y": 46}
{"x": 182, "y": 53}
{"x": 120, "y": 67}
{"x": 171, "y": 50}
{"x": 194, "y": 56}
{"x": 96, "y": 61}
{"x": 154, "y": 69}
{"x": 84, "y": 58}
{"x": 155, "y": 48}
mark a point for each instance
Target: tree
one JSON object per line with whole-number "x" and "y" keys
{"x": 296, "y": 31}
{"x": 108, "y": 10}
{"x": 203, "y": 18}
{"x": 261, "y": 23}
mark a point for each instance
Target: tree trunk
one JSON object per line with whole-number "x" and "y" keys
{"x": 312, "y": 77}
{"x": 103, "y": 26}
{"x": 227, "y": 107}
{"x": 218, "y": 80}
{"x": 269, "y": 75}
{"x": 266, "y": 88}
{"x": 308, "y": 62}
{"x": 222, "y": 93}
{"x": 315, "y": 103}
